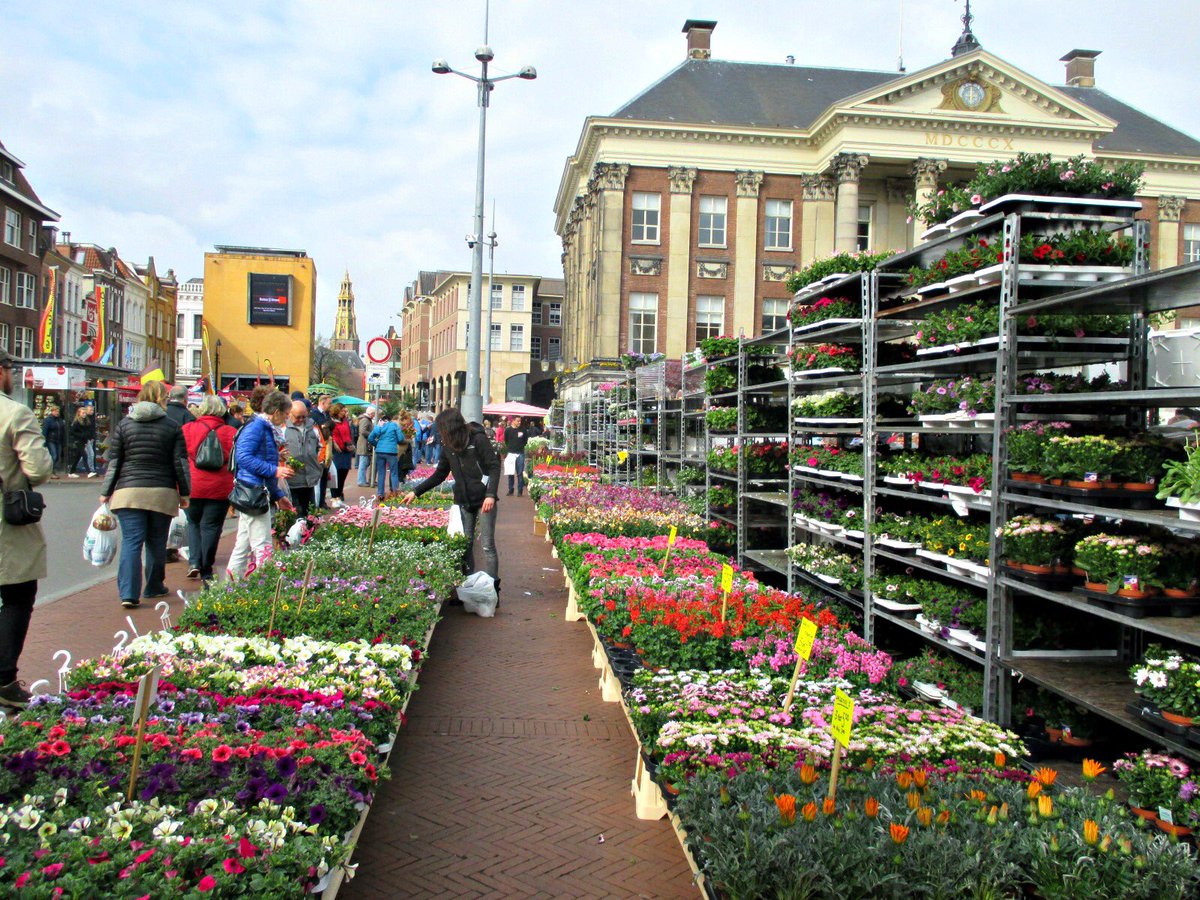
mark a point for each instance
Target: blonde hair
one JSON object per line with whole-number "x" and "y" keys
{"x": 153, "y": 392}
{"x": 212, "y": 405}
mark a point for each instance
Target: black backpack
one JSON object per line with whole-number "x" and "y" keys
{"x": 210, "y": 455}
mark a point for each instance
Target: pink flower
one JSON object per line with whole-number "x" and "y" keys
{"x": 233, "y": 867}
{"x": 206, "y": 884}
{"x": 52, "y": 870}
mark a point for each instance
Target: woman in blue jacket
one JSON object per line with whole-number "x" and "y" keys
{"x": 257, "y": 458}
{"x": 386, "y": 438}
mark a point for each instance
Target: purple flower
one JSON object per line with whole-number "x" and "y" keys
{"x": 286, "y": 766}
{"x": 276, "y": 793}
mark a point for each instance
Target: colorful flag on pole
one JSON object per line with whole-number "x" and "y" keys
{"x": 46, "y": 326}
{"x": 212, "y": 372}
{"x": 99, "y": 354}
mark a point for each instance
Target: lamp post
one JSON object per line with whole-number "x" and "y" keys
{"x": 217, "y": 367}
{"x": 472, "y": 399}
{"x": 487, "y": 348}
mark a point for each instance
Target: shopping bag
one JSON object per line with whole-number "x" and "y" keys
{"x": 295, "y": 534}
{"x": 177, "y": 536}
{"x": 455, "y": 525}
{"x": 478, "y": 595}
{"x": 510, "y": 464}
{"x": 100, "y": 547}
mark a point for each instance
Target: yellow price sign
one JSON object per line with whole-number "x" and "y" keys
{"x": 805, "y": 638}
{"x": 843, "y": 718}
{"x": 622, "y": 456}
{"x": 671, "y": 535}
{"x": 727, "y": 578}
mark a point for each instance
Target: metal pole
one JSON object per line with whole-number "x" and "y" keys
{"x": 472, "y": 400}
{"x": 487, "y": 347}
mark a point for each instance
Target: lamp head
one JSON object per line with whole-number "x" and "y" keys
{"x": 441, "y": 67}
{"x": 528, "y": 73}
{"x": 485, "y": 54}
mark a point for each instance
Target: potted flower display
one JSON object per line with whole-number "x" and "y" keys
{"x": 1127, "y": 566}
{"x": 1179, "y": 570}
{"x": 818, "y": 357}
{"x": 1026, "y": 446}
{"x": 958, "y": 327}
{"x": 825, "y": 308}
{"x": 835, "y": 405}
{"x": 1035, "y": 544}
{"x": 1169, "y": 681}
{"x": 1084, "y": 462}
{"x": 1155, "y": 782}
{"x": 1139, "y": 464}
{"x": 1180, "y": 485}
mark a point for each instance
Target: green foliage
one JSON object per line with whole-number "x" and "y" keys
{"x": 858, "y": 261}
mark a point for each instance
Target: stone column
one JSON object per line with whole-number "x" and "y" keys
{"x": 816, "y": 218}
{"x": 588, "y": 267}
{"x": 1170, "y": 209}
{"x": 609, "y": 183}
{"x": 673, "y": 336}
{"x": 745, "y": 254}
{"x": 925, "y": 173}
{"x": 847, "y": 169}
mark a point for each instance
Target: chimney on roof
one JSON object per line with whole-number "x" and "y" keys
{"x": 699, "y": 37}
{"x": 66, "y": 237}
{"x": 1081, "y": 68}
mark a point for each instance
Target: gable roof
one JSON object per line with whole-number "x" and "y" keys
{"x": 771, "y": 95}
{"x": 22, "y": 190}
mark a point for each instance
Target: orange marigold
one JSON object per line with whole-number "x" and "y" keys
{"x": 913, "y": 798}
{"x": 1045, "y": 806}
{"x": 1000, "y": 759}
{"x": 1093, "y": 769}
{"x": 829, "y": 806}
{"x": 1091, "y": 832}
{"x": 871, "y": 807}
{"x": 809, "y": 812}
{"x": 1045, "y": 776}
{"x": 925, "y": 816}
{"x": 904, "y": 779}
{"x": 808, "y": 774}
{"x": 1035, "y": 788}
{"x": 898, "y": 832}
{"x": 787, "y": 808}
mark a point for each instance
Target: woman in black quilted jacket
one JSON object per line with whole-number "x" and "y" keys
{"x": 146, "y": 485}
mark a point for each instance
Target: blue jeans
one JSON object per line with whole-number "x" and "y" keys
{"x": 55, "y": 454}
{"x": 142, "y": 528}
{"x": 435, "y": 453}
{"x": 385, "y": 463}
{"x": 418, "y": 452}
{"x": 364, "y": 469}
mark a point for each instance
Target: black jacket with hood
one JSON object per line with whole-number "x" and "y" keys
{"x": 147, "y": 449}
{"x": 477, "y": 460}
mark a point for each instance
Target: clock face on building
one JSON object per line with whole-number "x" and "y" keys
{"x": 972, "y": 94}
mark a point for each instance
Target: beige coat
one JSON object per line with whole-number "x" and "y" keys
{"x": 24, "y": 462}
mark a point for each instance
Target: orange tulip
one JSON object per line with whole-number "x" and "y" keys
{"x": 1091, "y": 832}
{"x": 1093, "y": 769}
{"x": 871, "y": 807}
{"x": 1035, "y": 788}
{"x": 925, "y": 816}
{"x": 904, "y": 779}
{"x": 943, "y": 818}
{"x": 1000, "y": 759}
{"x": 1045, "y": 776}
{"x": 898, "y": 832}
{"x": 1045, "y": 806}
{"x": 920, "y": 778}
{"x": 787, "y": 808}
{"x": 977, "y": 795}
{"x": 809, "y": 812}
{"x": 808, "y": 774}
{"x": 829, "y": 806}
{"x": 914, "y": 799}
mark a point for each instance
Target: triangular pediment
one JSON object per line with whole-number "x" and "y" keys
{"x": 975, "y": 85}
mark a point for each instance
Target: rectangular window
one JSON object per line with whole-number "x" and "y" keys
{"x": 8, "y": 172}
{"x": 778, "y": 228}
{"x": 197, "y": 327}
{"x": 5, "y": 285}
{"x": 497, "y": 333}
{"x": 774, "y": 314}
{"x": 516, "y": 337}
{"x": 535, "y": 346}
{"x": 555, "y": 314}
{"x": 24, "y": 343}
{"x": 555, "y": 349}
{"x": 864, "y": 227}
{"x": 643, "y": 322}
{"x": 712, "y": 221}
{"x": 32, "y": 229}
{"x": 179, "y": 361}
{"x": 3, "y": 335}
{"x": 710, "y": 317}
{"x": 1191, "y": 243}
{"x": 26, "y": 291}
{"x": 12, "y": 227}
{"x": 497, "y": 296}
{"x": 179, "y": 326}
{"x": 644, "y": 218}
{"x": 518, "y": 298}
{"x": 537, "y": 313}
{"x": 196, "y": 364}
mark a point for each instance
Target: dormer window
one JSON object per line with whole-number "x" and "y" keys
{"x": 8, "y": 171}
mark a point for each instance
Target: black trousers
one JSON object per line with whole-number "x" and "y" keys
{"x": 14, "y": 625}
{"x": 302, "y": 499}
{"x": 205, "y": 520}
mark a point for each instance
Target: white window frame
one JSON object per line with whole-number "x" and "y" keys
{"x": 497, "y": 296}
{"x": 778, "y": 311}
{"x": 197, "y": 326}
{"x": 4, "y": 331}
{"x": 710, "y": 316}
{"x": 536, "y": 314}
{"x": 863, "y": 234}
{"x": 197, "y": 361}
{"x": 516, "y": 338}
{"x": 8, "y": 172}
{"x": 777, "y": 225}
{"x": 32, "y": 231}
{"x": 179, "y": 366}
{"x": 497, "y": 335}
{"x": 1191, "y": 243}
{"x": 554, "y": 317}
{"x": 518, "y": 298}
{"x": 645, "y": 217}
{"x": 714, "y": 213}
{"x": 6, "y": 286}
{"x": 26, "y": 291}
{"x": 12, "y": 228}
{"x": 535, "y": 346}
{"x": 555, "y": 349}
{"x": 23, "y": 341}
{"x": 643, "y": 322}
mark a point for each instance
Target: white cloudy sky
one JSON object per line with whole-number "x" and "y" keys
{"x": 164, "y": 128}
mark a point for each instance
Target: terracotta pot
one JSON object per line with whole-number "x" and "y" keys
{"x": 623, "y": 645}
{"x": 1139, "y": 486}
{"x": 1054, "y": 735}
{"x": 670, "y": 789}
{"x": 1176, "y": 830}
{"x": 1148, "y": 814}
{"x": 1014, "y": 565}
{"x": 1037, "y": 570}
{"x": 1175, "y": 719}
{"x": 1063, "y": 570}
{"x": 1137, "y": 595}
{"x": 1021, "y": 476}
{"x": 1056, "y": 481}
{"x": 1072, "y": 741}
{"x": 1098, "y": 586}
{"x": 1037, "y": 479}
{"x": 1179, "y": 593}
{"x": 1111, "y": 485}
{"x": 1086, "y": 485}
{"x": 1075, "y": 570}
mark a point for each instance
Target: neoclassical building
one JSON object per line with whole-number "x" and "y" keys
{"x": 682, "y": 213}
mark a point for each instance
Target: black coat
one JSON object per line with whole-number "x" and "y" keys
{"x": 53, "y": 430}
{"x": 82, "y": 431}
{"x": 147, "y": 452}
{"x": 179, "y": 413}
{"x": 477, "y": 460}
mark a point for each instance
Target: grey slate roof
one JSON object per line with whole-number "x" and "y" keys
{"x": 351, "y": 359}
{"x": 769, "y": 95}
{"x": 552, "y": 287}
{"x": 1136, "y": 132}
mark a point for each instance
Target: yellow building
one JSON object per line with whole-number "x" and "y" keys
{"x": 260, "y": 309}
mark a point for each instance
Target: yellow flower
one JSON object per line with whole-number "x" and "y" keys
{"x": 1045, "y": 806}
{"x": 914, "y": 799}
{"x": 1091, "y": 832}
{"x": 925, "y": 816}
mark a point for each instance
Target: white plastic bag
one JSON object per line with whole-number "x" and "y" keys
{"x": 510, "y": 464}
{"x": 455, "y": 525}
{"x": 100, "y": 547}
{"x": 177, "y": 536}
{"x": 478, "y": 595}
{"x": 295, "y": 534}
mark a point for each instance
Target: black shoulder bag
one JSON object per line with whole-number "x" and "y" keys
{"x": 23, "y": 507}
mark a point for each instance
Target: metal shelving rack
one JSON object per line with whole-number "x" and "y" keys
{"x": 712, "y": 440}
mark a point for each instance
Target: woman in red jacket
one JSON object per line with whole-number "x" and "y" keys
{"x": 343, "y": 451}
{"x": 210, "y": 486}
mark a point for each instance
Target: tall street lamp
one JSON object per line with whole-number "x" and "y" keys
{"x": 217, "y": 367}
{"x": 472, "y": 398}
{"x": 487, "y": 348}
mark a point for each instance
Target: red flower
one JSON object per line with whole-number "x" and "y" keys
{"x": 233, "y": 867}
{"x": 246, "y": 850}
{"x": 1042, "y": 251}
{"x": 222, "y": 753}
{"x": 52, "y": 870}
{"x": 207, "y": 883}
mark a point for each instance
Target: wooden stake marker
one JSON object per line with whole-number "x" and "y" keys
{"x": 670, "y": 543}
{"x": 374, "y": 525}
{"x": 147, "y": 694}
{"x": 307, "y": 576}
{"x": 839, "y": 726}
{"x": 274, "y": 605}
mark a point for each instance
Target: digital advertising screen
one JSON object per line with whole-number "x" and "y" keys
{"x": 270, "y": 299}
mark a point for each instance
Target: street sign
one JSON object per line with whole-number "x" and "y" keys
{"x": 379, "y": 350}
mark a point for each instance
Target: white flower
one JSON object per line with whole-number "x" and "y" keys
{"x": 28, "y": 818}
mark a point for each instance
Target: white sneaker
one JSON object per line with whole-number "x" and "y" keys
{"x": 76, "y": 475}
{"x": 90, "y": 475}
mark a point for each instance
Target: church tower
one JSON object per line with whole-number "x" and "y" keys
{"x": 345, "y": 330}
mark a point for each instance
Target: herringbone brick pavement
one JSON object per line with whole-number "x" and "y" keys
{"x": 511, "y": 778}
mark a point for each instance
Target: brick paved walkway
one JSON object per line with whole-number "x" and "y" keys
{"x": 511, "y": 768}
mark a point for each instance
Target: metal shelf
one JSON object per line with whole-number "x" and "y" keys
{"x": 1160, "y": 291}
{"x": 1153, "y": 397}
{"x": 1164, "y": 518}
{"x": 775, "y": 560}
{"x": 778, "y": 499}
{"x": 908, "y": 625}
